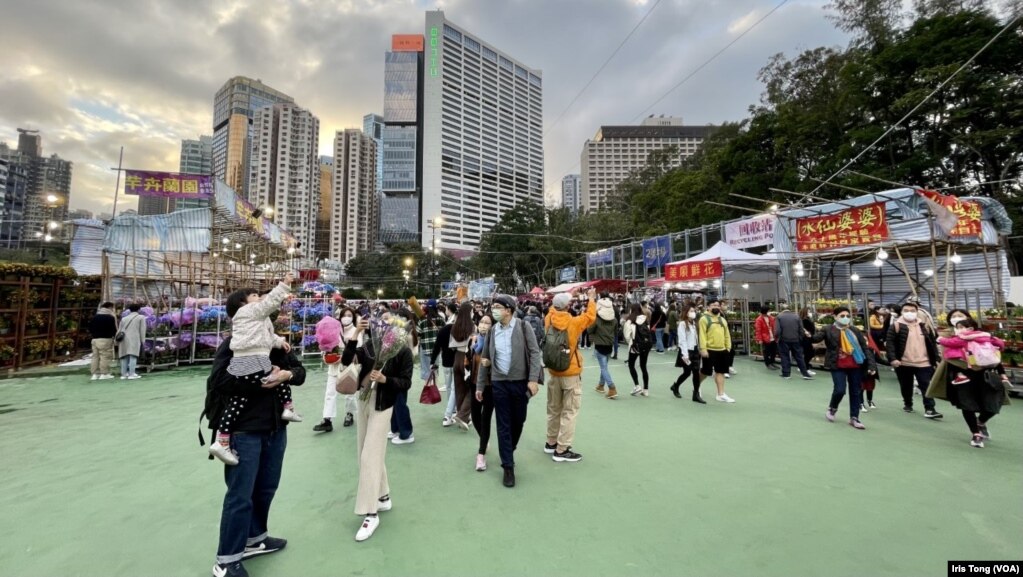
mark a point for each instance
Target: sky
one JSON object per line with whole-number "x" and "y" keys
{"x": 95, "y": 75}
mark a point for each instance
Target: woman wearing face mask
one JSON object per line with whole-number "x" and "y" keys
{"x": 347, "y": 317}
{"x": 964, "y": 375}
{"x": 688, "y": 353}
{"x": 847, "y": 357}
{"x": 482, "y": 401}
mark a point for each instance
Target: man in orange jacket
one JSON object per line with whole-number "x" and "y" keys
{"x": 564, "y": 392}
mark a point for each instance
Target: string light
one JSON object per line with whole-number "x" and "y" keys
{"x": 929, "y": 272}
{"x": 798, "y": 265}
{"x": 882, "y": 254}
{"x": 878, "y": 262}
{"x": 745, "y": 286}
{"x": 854, "y": 277}
{"x": 956, "y": 259}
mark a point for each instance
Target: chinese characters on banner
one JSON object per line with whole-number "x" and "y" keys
{"x": 851, "y": 227}
{"x": 168, "y": 184}
{"x": 751, "y": 232}
{"x": 702, "y": 270}
{"x": 603, "y": 256}
{"x": 656, "y": 251}
{"x": 967, "y": 213}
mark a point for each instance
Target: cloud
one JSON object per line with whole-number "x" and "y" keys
{"x": 96, "y": 75}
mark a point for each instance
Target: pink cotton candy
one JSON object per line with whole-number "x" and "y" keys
{"x": 328, "y": 333}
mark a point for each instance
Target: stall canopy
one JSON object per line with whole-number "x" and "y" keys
{"x": 717, "y": 261}
{"x": 600, "y": 285}
{"x": 536, "y": 291}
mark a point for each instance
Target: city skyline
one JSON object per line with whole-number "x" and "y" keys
{"x": 90, "y": 90}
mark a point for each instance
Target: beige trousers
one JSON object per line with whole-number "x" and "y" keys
{"x": 564, "y": 395}
{"x": 372, "y": 449}
{"x": 102, "y": 356}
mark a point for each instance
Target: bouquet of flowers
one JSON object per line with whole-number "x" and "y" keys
{"x": 388, "y": 338}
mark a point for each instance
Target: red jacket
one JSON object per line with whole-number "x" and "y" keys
{"x": 765, "y": 329}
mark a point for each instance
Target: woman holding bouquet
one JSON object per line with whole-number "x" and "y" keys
{"x": 386, "y": 369}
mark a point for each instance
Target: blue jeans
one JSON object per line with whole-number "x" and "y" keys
{"x": 787, "y": 350}
{"x": 449, "y": 378}
{"x": 128, "y": 363}
{"x": 251, "y": 485}
{"x": 659, "y": 339}
{"x": 424, "y": 362}
{"x": 605, "y": 375}
{"x": 401, "y": 419}
{"x": 510, "y": 402}
{"x": 854, "y": 379}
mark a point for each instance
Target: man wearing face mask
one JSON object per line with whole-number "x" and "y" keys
{"x": 715, "y": 344}
{"x": 912, "y": 349}
{"x": 790, "y": 333}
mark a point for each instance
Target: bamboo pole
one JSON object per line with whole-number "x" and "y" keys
{"x": 905, "y": 271}
{"x": 948, "y": 269}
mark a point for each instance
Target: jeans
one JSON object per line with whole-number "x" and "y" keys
{"x": 251, "y": 485}
{"x": 659, "y": 339}
{"x": 770, "y": 352}
{"x": 482, "y": 415}
{"x": 787, "y": 350}
{"x": 923, "y": 375}
{"x": 401, "y": 419}
{"x": 854, "y": 379}
{"x": 605, "y": 375}
{"x": 510, "y": 402}
{"x": 424, "y": 362}
{"x": 128, "y": 363}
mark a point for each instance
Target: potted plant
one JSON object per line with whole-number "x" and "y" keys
{"x": 34, "y": 322}
{"x": 37, "y": 348}
{"x": 64, "y": 345}
{"x": 7, "y": 354}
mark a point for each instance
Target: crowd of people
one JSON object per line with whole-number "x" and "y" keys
{"x": 491, "y": 357}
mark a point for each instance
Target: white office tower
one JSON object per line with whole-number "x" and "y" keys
{"x": 354, "y": 218}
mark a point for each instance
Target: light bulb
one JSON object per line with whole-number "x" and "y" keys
{"x": 798, "y": 265}
{"x": 881, "y": 254}
{"x": 47, "y": 238}
{"x": 800, "y": 273}
{"x": 237, "y": 245}
{"x": 929, "y": 272}
{"x": 774, "y": 208}
{"x": 878, "y": 262}
{"x": 291, "y": 250}
{"x": 717, "y": 283}
{"x": 745, "y": 286}
{"x": 703, "y": 283}
{"x": 226, "y": 240}
{"x": 854, "y": 277}
{"x": 956, "y": 259}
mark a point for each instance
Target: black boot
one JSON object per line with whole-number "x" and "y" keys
{"x": 674, "y": 391}
{"x": 325, "y": 427}
{"x": 696, "y": 395}
{"x": 509, "y": 477}
{"x": 349, "y": 419}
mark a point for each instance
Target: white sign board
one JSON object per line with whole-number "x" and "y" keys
{"x": 757, "y": 231}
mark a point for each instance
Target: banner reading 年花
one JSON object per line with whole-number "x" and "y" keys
{"x": 858, "y": 226}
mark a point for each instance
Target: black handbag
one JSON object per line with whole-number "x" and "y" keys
{"x": 994, "y": 380}
{"x": 120, "y": 334}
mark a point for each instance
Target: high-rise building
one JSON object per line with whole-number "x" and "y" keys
{"x": 617, "y": 151}
{"x": 353, "y": 229}
{"x": 234, "y": 108}
{"x": 570, "y": 197}
{"x": 373, "y": 127}
{"x": 196, "y": 158}
{"x": 284, "y": 171}
{"x": 37, "y": 188}
{"x": 324, "y": 214}
{"x": 462, "y": 136}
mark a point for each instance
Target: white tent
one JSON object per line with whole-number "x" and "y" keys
{"x": 744, "y": 274}
{"x": 731, "y": 258}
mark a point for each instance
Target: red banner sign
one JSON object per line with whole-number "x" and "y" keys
{"x": 967, "y": 213}
{"x": 851, "y": 227}
{"x": 702, "y": 270}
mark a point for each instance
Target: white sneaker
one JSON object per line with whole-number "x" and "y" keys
{"x": 134, "y": 377}
{"x": 732, "y": 371}
{"x": 442, "y": 389}
{"x": 864, "y": 409}
{"x": 369, "y": 526}
{"x": 728, "y": 375}
{"x": 105, "y": 377}
{"x": 124, "y": 377}
{"x": 461, "y": 424}
{"x": 645, "y": 393}
{"x": 447, "y": 422}
{"x": 399, "y": 441}
{"x": 811, "y": 373}
{"x": 291, "y": 416}
{"x": 94, "y": 378}
{"x": 636, "y": 390}
{"x": 481, "y": 462}
{"x": 224, "y": 453}
{"x": 391, "y": 435}
{"x": 385, "y": 505}
{"x": 725, "y": 399}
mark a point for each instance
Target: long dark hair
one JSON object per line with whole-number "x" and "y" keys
{"x": 635, "y": 312}
{"x": 684, "y": 317}
{"x": 463, "y": 327}
{"x": 410, "y": 318}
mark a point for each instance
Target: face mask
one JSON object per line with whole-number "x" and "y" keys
{"x": 956, "y": 320}
{"x": 715, "y": 312}
{"x": 346, "y": 321}
{"x": 498, "y": 314}
{"x": 692, "y": 315}
{"x": 909, "y": 316}
{"x": 844, "y": 320}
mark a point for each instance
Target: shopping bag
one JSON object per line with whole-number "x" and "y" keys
{"x": 348, "y": 380}
{"x": 430, "y": 394}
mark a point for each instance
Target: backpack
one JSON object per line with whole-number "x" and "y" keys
{"x": 985, "y": 355}
{"x": 557, "y": 354}
{"x": 644, "y": 339}
{"x": 537, "y": 325}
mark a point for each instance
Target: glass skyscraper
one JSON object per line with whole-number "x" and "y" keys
{"x": 400, "y": 154}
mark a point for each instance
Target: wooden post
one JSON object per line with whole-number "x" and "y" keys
{"x": 905, "y": 271}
